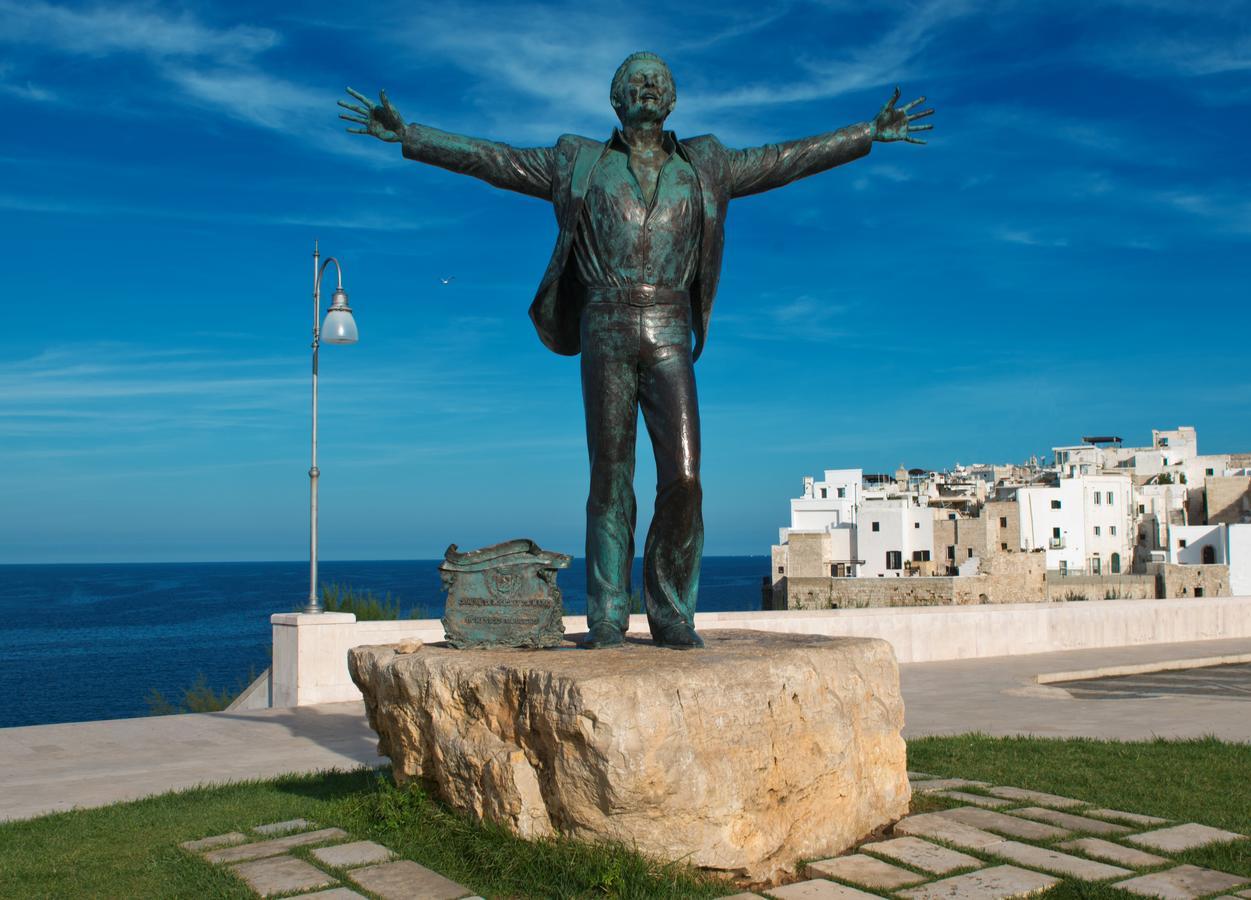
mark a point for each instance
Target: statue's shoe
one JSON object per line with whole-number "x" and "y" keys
{"x": 679, "y": 637}
{"x": 603, "y": 635}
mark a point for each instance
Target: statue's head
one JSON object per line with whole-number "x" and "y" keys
{"x": 643, "y": 89}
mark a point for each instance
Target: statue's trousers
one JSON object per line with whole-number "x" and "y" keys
{"x": 636, "y": 356}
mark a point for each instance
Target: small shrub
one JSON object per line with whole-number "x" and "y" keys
{"x": 1074, "y": 597}
{"x": 199, "y": 698}
{"x": 1115, "y": 594}
{"x": 363, "y": 603}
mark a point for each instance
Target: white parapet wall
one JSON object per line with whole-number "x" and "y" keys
{"x": 310, "y": 652}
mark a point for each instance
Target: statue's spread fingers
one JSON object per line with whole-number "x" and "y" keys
{"x": 356, "y": 109}
{"x": 911, "y": 128}
{"x": 912, "y": 140}
{"x": 908, "y": 106}
{"x": 361, "y": 97}
{"x": 920, "y": 115}
{"x": 359, "y": 130}
{"x": 357, "y": 119}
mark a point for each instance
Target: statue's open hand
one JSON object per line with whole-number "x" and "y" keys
{"x": 896, "y": 124}
{"x": 381, "y": 120}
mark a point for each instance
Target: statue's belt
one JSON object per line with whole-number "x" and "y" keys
{"x": 639, "y": 295}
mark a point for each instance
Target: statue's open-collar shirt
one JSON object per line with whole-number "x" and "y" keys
{"x": 626, "y": 238}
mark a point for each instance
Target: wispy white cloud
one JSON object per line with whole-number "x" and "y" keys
{"x": 1029, "y": 238}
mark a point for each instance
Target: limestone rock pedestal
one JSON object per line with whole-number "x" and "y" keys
{"x": 746, "y": 757}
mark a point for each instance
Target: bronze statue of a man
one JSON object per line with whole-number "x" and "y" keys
{"x": 632, "y": 278}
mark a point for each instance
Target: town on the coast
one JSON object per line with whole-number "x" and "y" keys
{"x": 1101, "y": 521}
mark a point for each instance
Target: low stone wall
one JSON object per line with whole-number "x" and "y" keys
{"x": 310, "y": 652}
{"x": 1100, "y": 587}
{"x": 1192, "y": 581}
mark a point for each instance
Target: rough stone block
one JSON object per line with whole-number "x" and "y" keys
{"x": 746, "y": 757}
{"x": 281, "y": 875}
{"x": 1182, "y": 837}
{"x": 1070, "y": 821}
{"x": 357, "y": 853}
{"x": 1054, "y": 861}
{"x": 405, "y": 880}
{"x": 949, "y": 831}
{"x": 1131, "y": 818}
{"x": 975, "y": 799}
{"x": 1117, "y": 853}
{"x": 212, "y": 843}
{"x": 864, "y": 870}
{"x": 818, "y": 889}
{"x": 1015, "y": 793}
{"x": 1003, "y": 823}
{"x": 998, "y": 883}
{"x": 1181, "y": 883}
{"x": 283, "y": 827}
{"x": 261, "y": 849}
{"x": 921, "y": 854}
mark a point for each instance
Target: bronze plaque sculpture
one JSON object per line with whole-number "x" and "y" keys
{"x": 503, "y": 596}
{"x": 633, "y": 276}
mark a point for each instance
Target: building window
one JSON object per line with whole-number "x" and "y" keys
{"x": 1096, "y": 566}
{"x": 1181, "y": 543}
{"x": 951, "y": 516}
{"x": 1198, "y": 592}
{"x": 1055, "y": 533}
{"x": 781, "y": 570}
{"x": 1055, "y": 504}
{"x": 1112, "y": 530}
{"x": 1209, "y": 555}
{"x": 920, "y": 556}
{"x": 1142, "y": 509}
{"x": 1098, "y": 498}
{"x": 894, "y": 559}
{"x": 1209, "y": 471}
{"x": 824, "y": 493}
{"x": 951, "y": 551}
{"x": 1116, "y": 564}
{"x": 1110, "y": 496}
{"x": 877, "y": 526}
{"x": 1098, "y": 531}
{"x": 916, "y": 524}
{"x": 1163, "y": 442}
{"x": 1003, "y": 521}
{"x": 1003, "y": 546}
{"x": 842, "y": 493}
{"x": 970, "y": 553}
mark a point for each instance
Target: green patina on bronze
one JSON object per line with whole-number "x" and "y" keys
{"x": 503, "y": 596}
{"x": 630, "y": 286}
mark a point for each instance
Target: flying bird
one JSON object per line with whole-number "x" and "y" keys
{"x": 448, "y": 280}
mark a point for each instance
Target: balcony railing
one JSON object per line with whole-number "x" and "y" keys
{"x": 1056, "y": 543}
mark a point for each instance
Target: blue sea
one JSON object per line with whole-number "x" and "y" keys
{"x": 84, "y": 642}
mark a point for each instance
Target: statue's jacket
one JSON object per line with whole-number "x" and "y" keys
{"x": 561, "y": 174}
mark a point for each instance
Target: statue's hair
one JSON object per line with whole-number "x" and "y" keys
{"x": 617, "y": 93}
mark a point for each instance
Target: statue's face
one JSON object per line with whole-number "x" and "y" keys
{"x": 649, "y": 94}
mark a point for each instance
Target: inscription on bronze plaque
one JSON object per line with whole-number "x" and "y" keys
{"x": 503, "y": 596}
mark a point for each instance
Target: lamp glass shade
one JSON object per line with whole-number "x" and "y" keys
{"x": 339, "y": 327}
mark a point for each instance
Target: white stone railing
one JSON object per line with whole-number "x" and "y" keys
{"x": 310, "y": 652}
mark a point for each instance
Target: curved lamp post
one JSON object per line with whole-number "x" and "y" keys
{"x": 339, "y": 328}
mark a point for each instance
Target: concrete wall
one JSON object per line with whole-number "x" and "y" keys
{"x": 1240, "y": 559}
{"x": 310, "y": 652}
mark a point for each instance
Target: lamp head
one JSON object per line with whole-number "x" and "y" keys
{"x": 339, "y": 327}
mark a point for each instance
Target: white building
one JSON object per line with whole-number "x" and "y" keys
{"x": 892, "y": 533}
{"x": 1085, "y": 524}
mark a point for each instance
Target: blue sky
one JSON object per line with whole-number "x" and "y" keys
{"x": 1068, "y": 255}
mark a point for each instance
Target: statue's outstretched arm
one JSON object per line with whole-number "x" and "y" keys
{"x": 773, "y": 165}
{"x": 527, "y": 171}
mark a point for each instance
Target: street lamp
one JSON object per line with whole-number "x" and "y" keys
{"x": 339, "y": 328}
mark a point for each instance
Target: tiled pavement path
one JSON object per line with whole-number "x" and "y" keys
{"x": 1002, "y": 842}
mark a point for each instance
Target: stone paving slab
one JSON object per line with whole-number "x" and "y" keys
{"x": 1131, "y": 818}
{"x": 357, "y": 853}
{"x": 212, "y": 843}
{"x": 261, "y": 849}
{"x": 975, "y": 799}
{"x": 283, "y": 827}
{"x": 1182, "y": 837}
{"x": 281, "y": 875}
{"x": 405, "y": 880}
{"x": 1055, "y": 861}
{"x": 1070, "y": 821}
{"x": 920, "y": 776}
{"x": 944, "y": 784}
{"x": 1181, "y": 883}
{"x": 818, "y": 889}
{"x": 998, "y": 883}
{"x": 921, "y": 854}
{"x": 339, "y": 893}
{"x": 865, "y": 871}
{"x": 1244, "y": 893}
{"x": 1003, "y": 824}
{"x": 1027, "y": 796}
{"x": 742, "y": 897}
{"x": 949, "y": 831}
{"x": 1117, "y": 853}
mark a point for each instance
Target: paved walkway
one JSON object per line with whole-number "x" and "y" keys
{"x": 45, "y": 768}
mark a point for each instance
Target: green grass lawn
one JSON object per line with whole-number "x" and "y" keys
{"x": 130, "y": 850}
